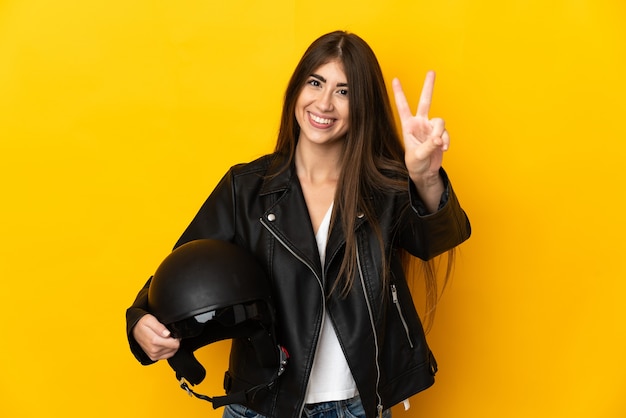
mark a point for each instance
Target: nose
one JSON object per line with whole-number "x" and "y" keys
{"x": 325, "y": 101}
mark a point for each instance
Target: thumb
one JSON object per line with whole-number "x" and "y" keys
{"x": 157, "y": 327}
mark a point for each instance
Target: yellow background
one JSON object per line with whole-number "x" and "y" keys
{"x": 118, "y": 117}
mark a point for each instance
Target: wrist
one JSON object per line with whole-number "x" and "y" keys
{"x": 429, "y": 189}
{"x": 427, "y": 181}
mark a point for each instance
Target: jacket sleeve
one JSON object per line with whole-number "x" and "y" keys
{"x": 133, "y": 314}
{"x": 215, "y": 220}
{"x": 429, "y": 235}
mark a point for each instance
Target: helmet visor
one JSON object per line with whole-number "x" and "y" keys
{"x": 226, "y": 317}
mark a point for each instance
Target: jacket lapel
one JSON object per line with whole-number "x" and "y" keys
{"x": 286, "y": 215}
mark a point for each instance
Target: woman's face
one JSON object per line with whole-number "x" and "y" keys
{"x": 322, "y": 106}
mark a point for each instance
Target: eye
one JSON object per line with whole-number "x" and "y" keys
{"x": 343, "y": 92}
{"x": 313, "y": 82}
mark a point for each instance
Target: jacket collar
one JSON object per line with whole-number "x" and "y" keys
{"x": 277, "y": 178}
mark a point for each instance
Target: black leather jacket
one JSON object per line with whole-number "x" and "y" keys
{"x": 378, "y": 329}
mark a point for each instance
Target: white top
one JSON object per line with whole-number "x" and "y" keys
{"x": 331, "y": 379}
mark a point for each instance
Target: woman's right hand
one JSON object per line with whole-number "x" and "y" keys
{"x": 154, "y": 338}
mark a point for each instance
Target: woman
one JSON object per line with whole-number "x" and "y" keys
{"x": 329, "y": 215}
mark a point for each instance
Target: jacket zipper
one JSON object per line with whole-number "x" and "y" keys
{"x": 319, "y": 282}
{"x": 379, "y": 407}
{"x": 394, "y": 297}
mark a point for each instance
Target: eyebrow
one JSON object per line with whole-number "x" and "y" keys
{"x": 323, "y": 80}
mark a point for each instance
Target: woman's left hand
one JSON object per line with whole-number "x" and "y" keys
{"x": 425, "y": 140}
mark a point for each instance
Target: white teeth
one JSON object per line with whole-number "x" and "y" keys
{"x": 321, "y": 120}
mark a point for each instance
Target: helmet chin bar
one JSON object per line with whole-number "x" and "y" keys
{"x": 241, "y": 396}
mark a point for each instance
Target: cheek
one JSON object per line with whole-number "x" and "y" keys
{"x": 345, "y": 111}
{"x": 301, "y": 103}
{"x": 299, "y": 115}
{"x": 346, "y": 128}
{"x": 298, "y": 111}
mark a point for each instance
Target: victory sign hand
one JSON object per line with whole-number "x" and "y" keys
{"x": 425, "y": 140}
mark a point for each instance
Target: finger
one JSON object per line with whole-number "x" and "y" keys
{"x": 401, "y": 103}
{"x": 446, "y": 140}
{"x": 160, "y": 348}
{"x": 157, "y": 327}
{"x": 427, "y": 94}
{"x": 439, "y": 134}
{"x": 163, "y": 349}
{"x": 161, "y": 331}
{"x": 167, "y": 344}
{"x": 438, "y": 125}
{"x": 431, "y": 146}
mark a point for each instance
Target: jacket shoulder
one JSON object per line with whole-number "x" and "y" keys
{"x": 259, "y": 165}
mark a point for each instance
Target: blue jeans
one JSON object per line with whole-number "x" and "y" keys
{"x": 350, "y": 408}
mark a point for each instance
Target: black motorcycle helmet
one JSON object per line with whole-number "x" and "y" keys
{"x": 209, "y": 290}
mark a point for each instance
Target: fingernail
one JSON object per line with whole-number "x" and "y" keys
{"x": 166, "y": 333}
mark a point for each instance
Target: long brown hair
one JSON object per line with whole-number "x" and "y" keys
{"x": 375, "y": 161}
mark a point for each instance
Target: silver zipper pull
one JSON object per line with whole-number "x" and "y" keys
{"x": 394, "y": 293}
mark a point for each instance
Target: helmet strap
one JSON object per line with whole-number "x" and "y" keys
{"x": 241, "y": 396}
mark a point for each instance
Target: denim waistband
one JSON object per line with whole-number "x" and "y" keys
{"x": 335, "y": 409}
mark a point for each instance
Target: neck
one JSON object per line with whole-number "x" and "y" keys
{"x": 318, "y": 164}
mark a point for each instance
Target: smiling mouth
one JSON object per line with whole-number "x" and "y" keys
{"x": 320, "y": 120}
